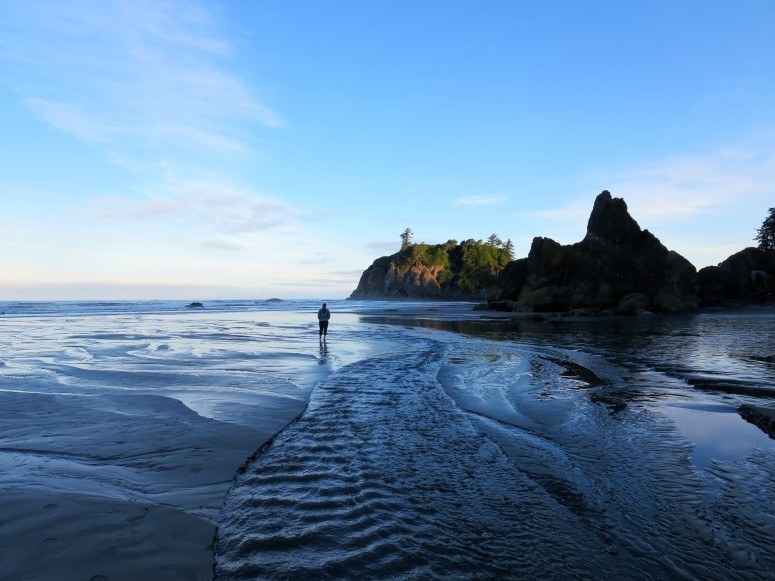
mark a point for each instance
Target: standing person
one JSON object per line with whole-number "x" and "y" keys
{"x": 323, "y": 316}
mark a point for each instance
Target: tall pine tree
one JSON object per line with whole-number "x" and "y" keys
{"x": 766, "y": 234}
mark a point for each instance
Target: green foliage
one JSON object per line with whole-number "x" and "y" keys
{"x": 461, "y": 268}
{"x": 406, "y": 238}
{"x": 765, "y": 235}
{"x": 383, "y": 262}
{"x": 493, "y": 240}
{"x": 480, "y": 264}
{"x": 509, "y": 248}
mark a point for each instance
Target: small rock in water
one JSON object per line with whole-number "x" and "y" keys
{"x": 195, "y": 305}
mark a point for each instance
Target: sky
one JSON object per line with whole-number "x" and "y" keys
{"x": 178, "y": 149}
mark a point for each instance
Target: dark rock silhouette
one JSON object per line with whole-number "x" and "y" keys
{"x": 759, "y": 416}
{"x": 617, "y": 267}
{"x": 195, "y": 305}
{"x": 747, "y": 277}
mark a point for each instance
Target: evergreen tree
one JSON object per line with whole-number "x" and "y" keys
{"x": 509, "y": 248}
{"x": 406, "y": 238}
{"x": 494, "y": 240}
{"x": 766, "y": 234}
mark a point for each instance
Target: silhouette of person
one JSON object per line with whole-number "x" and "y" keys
{"x": 323, "y": 316}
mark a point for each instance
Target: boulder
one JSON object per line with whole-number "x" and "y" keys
{"x": 747, "y": 277}
{"x": 632, "y": 304}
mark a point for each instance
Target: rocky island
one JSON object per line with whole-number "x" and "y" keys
{"x": 617, "y": 268}
{"x": 450, "y": 271}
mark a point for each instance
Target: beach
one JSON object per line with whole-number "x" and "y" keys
{"x": 121, "y": 434}
{"x": 419, "y": 439}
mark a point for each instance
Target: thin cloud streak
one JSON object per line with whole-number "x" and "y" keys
{"x": 222, "y": 210}
{"x": 223, "y": 245}
{"x": 88, "y": 290}
{"x": 684, "y": 186}
{"x": 678, "y": 187}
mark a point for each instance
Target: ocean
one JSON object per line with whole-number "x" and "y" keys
{"x": 420, "y": 440}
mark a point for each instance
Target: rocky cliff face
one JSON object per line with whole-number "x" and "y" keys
{"x": 616, "y": 267}
{"x": 747, "y": 277}
{"x": 381, "y": 281}
{"x": 441, "y": 271}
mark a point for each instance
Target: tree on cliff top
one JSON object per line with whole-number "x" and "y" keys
{"x": 766, "y": 234}
{"x": 509, "y": 248}
{"x": 460, "y": 268}
{"x": 494, "y": 240}
{"x": 406, "y": 238}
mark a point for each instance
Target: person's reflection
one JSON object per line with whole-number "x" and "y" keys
{"x": 323, "y": 352}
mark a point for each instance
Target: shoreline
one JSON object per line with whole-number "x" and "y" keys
{"x": 120, "y": 443}
{"x": 140, "y": 478}
{"x": 472, "y": 309}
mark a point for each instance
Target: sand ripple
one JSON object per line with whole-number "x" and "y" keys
{"x": 384, "y": 476}
{"x": 392, "y": 474}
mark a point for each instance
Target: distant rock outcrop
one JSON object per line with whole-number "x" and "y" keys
{"x": 747, "y": 277}
{"x": 195, "y": 305}
{"x": 616, "y": 267}
{"x": 447, "y": 271}
{"x": 415, "y": 282}
{"x": 391, "y": 281}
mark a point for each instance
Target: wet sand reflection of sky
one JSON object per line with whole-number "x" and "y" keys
{"x": 718, "y": 433}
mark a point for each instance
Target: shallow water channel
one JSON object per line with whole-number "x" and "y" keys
{"x": 551, "y": 449}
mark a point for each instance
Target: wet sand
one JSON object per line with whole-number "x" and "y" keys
{"x": 121, "y": 436}
{"x": 114, "y": 466}
{"x": 118, "y": 486}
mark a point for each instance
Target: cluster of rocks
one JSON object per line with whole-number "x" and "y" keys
{"x": 617, "y": 268}
{"x": 747, "y": 277}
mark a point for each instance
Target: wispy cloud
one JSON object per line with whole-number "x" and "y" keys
{"x": 223, "y": 245}
{"x": 481, "y": 200}
{"x": 677, "y": 188}
{"x": 705, "y": 205}
{"x": 86, "y": 290}
{"x": 348, "y": 274}
{"x": 220, "y": 209}
{"x": 683, "y": 186}
{"x": 149, "y": 72}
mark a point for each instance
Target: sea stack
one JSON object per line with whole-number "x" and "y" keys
{"x": 616, "y": 268}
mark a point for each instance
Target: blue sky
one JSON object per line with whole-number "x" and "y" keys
{"x": 253, "y": 149}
